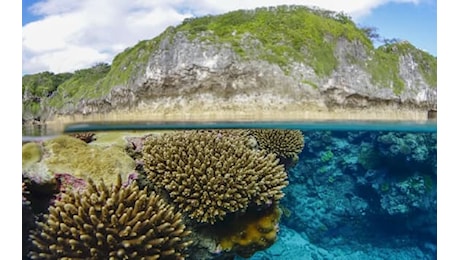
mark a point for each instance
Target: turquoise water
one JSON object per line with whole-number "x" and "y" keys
{"x": 411, "y": 126}
{"x": 359, "y": 190}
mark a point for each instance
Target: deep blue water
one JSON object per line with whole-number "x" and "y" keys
{"x": 360, "y": 190}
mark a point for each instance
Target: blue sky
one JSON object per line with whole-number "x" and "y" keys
{"x": 27, "y": 15}
{"x": 415, "y": 23}
{"x": 66, "y": 35}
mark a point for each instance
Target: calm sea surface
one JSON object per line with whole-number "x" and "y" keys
{"x": 403, "y": 126}
{"x": 359, "y": 190}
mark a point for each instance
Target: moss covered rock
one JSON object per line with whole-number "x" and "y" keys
{"x": 31, "y": 153}
{"x": 71, "y": 155}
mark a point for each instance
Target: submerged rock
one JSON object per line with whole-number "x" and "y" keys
{"x": 69, "y": 155}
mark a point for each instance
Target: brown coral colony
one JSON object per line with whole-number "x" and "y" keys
{"x": 209, "y": 174}
{"x": 86, "y": 137}
{"x": 285, "y": 143}
{"x": 117, "y": 223}
{"x": 224, "y": 184}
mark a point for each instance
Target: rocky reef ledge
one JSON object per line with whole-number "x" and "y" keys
{"x": 209, "y": 112}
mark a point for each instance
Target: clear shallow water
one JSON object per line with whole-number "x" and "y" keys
{"x": 413, "y": 126}
{"x": 359, "y": 190}
{"x": 417, "y": 126}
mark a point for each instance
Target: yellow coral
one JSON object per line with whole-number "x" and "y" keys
{"x": 251, "y": 232}
{"x": 31, "y": 153}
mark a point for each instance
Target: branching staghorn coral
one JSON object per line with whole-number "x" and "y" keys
{"x": 209, "y": 174}
{"x": 285, "y": 143}
{"x": 110, "y": 223}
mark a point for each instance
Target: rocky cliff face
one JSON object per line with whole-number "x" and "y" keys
{"x": 183, "y": 72}
{"x": 191, "y": 73}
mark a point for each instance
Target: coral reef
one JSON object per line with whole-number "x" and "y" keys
{"x": 405, "y": 151}
{"x": 369, "y": 157}
{"x": 322, "y": 211}
{"x": 31, "y": 153}
{"x": 208, "y": 174}
{"x": 349, "y": 192}
{"x": 39, "y": 195}
{"x": 110, "y": 223}
{"x": 363, "y": 184}
{"x": 286, "y": 144}
{"x": 135, "y": 146}
{"x": 24, "y": 192}
{"x": 294, "y": 244}
{"x": 86, "y": 137}
{"x": 407, "y": 196}
{"x": 28, "y": 219}
{"x": 248, "y": 233}
{"x": 68, "y": 183}
{"x": 118, "y": 138}
{"x": 70, "y": 155}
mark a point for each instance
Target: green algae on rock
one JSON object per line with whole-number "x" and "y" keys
{"x": 31, "y": 153}
{"x": 71, "y": 155}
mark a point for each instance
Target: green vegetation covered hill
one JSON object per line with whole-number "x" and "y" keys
{"x": 37, "y": 87}
{"x": 56, "y": 88}
{"x": 283, "y": 34}
{"x": 286, "y": 34}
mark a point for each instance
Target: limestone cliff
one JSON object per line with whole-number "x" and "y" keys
{"x": 287, "y": 58}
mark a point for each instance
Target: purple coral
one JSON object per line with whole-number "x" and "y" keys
{"x": 66, "y": 181}
{"x": 131, "y": 178}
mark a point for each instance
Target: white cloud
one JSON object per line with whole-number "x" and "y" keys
{"x": 76, "y": 34}
{"x": 65, "y": 60}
